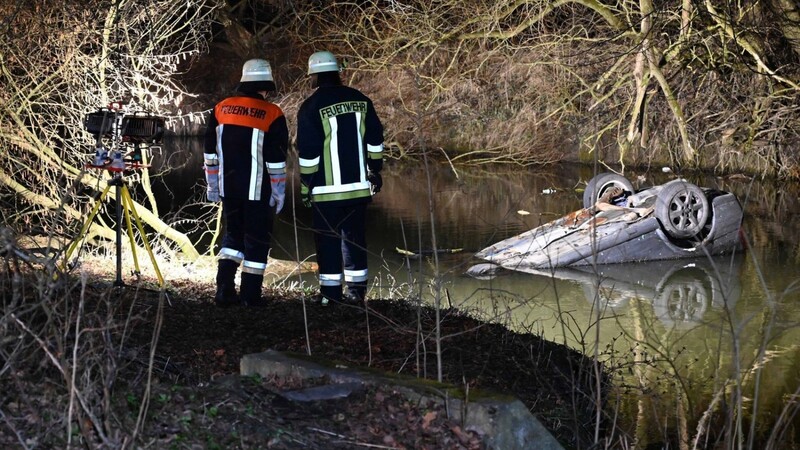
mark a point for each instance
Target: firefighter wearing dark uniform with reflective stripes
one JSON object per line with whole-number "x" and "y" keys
{"x": 245, "y": 161}
{"x": 340, "y": 146}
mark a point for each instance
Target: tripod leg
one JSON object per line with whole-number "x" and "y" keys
{"x": 119, "y": 185}
{"x": 89, "y": 219}
{"x": 126, "y": 207}
{"x": 129, "y": 204}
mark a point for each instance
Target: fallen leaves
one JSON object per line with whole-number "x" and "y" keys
{"x": 428, "y": 418}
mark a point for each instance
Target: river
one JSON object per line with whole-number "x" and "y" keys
{"x": 682, "y": 337}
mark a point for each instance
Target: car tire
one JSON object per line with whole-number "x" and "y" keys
{"x": 601, "y": 183}
{"x": 683, "y": 209}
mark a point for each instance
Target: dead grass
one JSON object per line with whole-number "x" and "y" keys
{"x": 90, "y": 364}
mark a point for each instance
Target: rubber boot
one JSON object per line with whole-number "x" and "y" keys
{"x": 226, "y": 284}
{"x": 251, "y": 290}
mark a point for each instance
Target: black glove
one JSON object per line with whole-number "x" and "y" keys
{"x": 305, "y": 195}
{"x": 376, "y": 181}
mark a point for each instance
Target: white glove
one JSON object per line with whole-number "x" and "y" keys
{"x": 212, "y": 181}
{"x": 278, "y": 184}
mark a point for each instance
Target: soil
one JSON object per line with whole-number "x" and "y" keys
{"x": 195, "y": 398}
{"x": 200, "y": 346}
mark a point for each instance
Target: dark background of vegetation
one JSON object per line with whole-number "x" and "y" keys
{"x": 710, "y": 85}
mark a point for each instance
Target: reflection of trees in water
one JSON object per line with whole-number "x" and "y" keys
{"x": 696, "y": 345}
{"x": 473, "y": 205}
{"x": 179, "y": 187}
{"x": 684, "y": 323}
{"x": 685, "y": 310}
{"x": 771, "y": 221}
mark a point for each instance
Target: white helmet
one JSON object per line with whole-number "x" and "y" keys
{"x": 256, "y": 70}
{"x": 322, "y": 62}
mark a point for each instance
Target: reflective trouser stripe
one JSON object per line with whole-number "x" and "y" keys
{"x": 256, "y": 268}
{"x": 355, "y": 276}
{"x": 229, "y": 253}
{"x": 328, "y": 279}
{"x": 341, "y": 249}
{"x": 375, "y": 151}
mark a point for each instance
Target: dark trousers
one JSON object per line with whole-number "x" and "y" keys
{"x": 248, "y": 227}
{"x": 248, "y": 230}
{"x": 340, "y": 238}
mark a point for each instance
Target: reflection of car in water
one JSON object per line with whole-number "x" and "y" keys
{"x": 680, "y": 290}
{"x": 683, "y": 221}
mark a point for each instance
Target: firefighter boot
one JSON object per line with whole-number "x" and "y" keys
{"x": 329, "y": 294}
{"x": 226, "y": 287}
{"x": 251, "y": 290}
{"x": 355, "y": 294}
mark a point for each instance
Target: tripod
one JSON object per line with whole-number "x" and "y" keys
{"x": 124, "y": 208}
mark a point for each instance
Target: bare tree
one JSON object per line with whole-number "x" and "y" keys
{"x": 56, "y": 66}
{"x": 511, "y": 81}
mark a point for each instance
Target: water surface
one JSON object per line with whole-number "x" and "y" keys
{"x": 682, "y": 332}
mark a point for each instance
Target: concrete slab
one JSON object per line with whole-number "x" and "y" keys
{"x": 504, "y": 421}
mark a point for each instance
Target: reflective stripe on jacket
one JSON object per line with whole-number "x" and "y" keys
{"x": 249, "y": 137}
{"x": 339, "y": 139}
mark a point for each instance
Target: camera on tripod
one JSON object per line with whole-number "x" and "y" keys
{"x": 121, "y": 137}
{"x": 135, "y": 130}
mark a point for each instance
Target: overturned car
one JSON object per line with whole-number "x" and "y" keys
{"x": 673, "y": 220}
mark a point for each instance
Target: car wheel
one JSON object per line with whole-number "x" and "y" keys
{"x": 683, "y": 209}
{"x": 598, "y": 185}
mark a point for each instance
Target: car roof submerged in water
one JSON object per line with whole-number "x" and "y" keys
{"x": 682, "y": 221}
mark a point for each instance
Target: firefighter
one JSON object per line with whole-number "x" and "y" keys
{"x": 245, "y": 165}
{"x": 340, "y": 146}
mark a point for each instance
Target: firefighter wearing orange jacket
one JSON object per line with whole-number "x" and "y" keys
{"x": 340, "y": 146}
{"x": 245, "y": 163}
